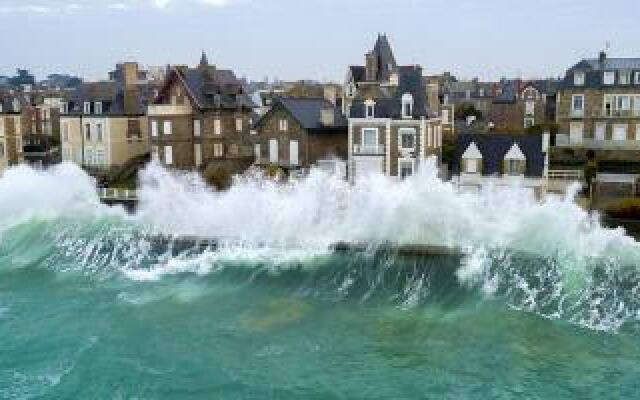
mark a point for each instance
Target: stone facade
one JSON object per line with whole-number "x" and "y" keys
{"x": 533, "y": 104}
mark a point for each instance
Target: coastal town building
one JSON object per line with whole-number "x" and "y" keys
{"x": 501, "y": 160}
{"x": 103, "y": 124}
{"x": 202, "y": 116}
{"x": 391, "y": 129}
{"x": 301, "y": 132}
{"x": 521, "y": 105}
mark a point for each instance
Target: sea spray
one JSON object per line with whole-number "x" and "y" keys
{"x": 549, "y": 257}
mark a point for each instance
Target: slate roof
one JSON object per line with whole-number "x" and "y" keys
{"x": 494, "y": 147}
{"x": 385, "y": 59}
{"x": 594, "y": 68}
{"x": 212, "y": 88}
{"x": 307, "y": 111}
{"x": 112, "y": 96}
{"x": 389, "y": 101}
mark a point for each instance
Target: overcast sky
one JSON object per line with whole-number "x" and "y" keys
{"x": 315, "y": 39}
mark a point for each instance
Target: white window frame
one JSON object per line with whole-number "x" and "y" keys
{"x": 197, "y": 128}
{"x": 530, "y": 108}
{"x": 471, "y": 162}
{"x": 576, "y": 136}
{"x": 624, "y": 77}
{"x": 370, "y": 109}
{"x": 407, "y": 105}
{"x": 86, "y": 131}
{"x": 407, "y": 132}
{"x": 167, "y": 127}
{"x": 617, "y": 128}
{"x": 579, "y": 78}
{"x": 575, "y": 111}
{"x": 155, "y": 153}
{"x": 273, "y": 151}
{"x": 197, "y": 154}
{"x": 87, "y": 107}
{"x": 529, "y": 122}
{"x": 609, "y": 78}
{"x": 294, "y": 145}
{"x": 283, "y": 125}
{"x": 97, "y": 106}
{"x": 99, "y": 132}
{"x": 600, "y": 133}
{"x": 376, "y": 133}
{"x": 239, "y": 124}
{"x": 637, "y": 77}
{"x": 405, "y": 162}
{"x": 217, "y": 127}
{"x": 154, "y": 128}
{"x": 218, "y": 150}
{"x": 168, "y": 155}
{"x": 257, "y": 152}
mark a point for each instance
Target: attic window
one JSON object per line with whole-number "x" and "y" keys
{"x": 609, "y": 77}
{"x": 407, "y": 105}
{"x": 370, "y": 108}
{"x": 637, "y": 80}
{"x": 578, "y": 78}
{"x": 472, "y": 160}
{"x": 625, "y": 77}
{"x": 514, "y": 161}
{"x": 98, "y": 107}
{"x": 87, "y": 107}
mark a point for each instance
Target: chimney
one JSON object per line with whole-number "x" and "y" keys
{"x": 130, "y": 82}
{"x": 129, "y": 74}
{"x": 602, "y": 56}
{"x": 330, "y": 94}
{"x": 372, "y": 67}
{"x": 327, "y": 115}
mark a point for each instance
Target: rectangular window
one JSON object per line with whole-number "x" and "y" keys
{"x": 609, "y": 105}
{"x": 405, "y": 168}
{"x": 576, "y": 132}
{"x": 100, "y": 158}
{"x": 197, "y": 154}
{"x": 370, "y": 110}
{"x": 513, "y": 167}
{"x": 168, "y": 155}
{"x": 577, "y": 105}
{"x": 239, "y": 124}
{"x": 407, "y": 139}
{"x": 273, "y": 151}
{"x": 217, "y": 127}
{"x": 624, "y": 103}
{"x": 154, "y": 127}
{"x": 529, "y": 122}
{"x": 99, "y": 132}
{"x": 155, "y": 153}
{"x": 601, "y": 131}
{"x": 445, "y": 116}
{"x": 87, "y": 107}
{"x": 530, "y": 108}
{"x": 283, "y": 125}
{"x": 166, "y": 128}
{"x": 257, "y": 152}
{"x": 637, "y": 131}
{"x": 625, "y": 77}
{"x": 87, "y": 132}
{"x": 471, "y": 166}
{"x": 609, "y": 77}
{"x": 578, "y": 79}
{"x": 64, "y": 128}
{"x": 218, "y": 150}
{"x": 98, "y": 107}
{"x": 620, "y": 132}
{"x": 369, "y": 137}
{"x": 196, "y": 128}
{"x": 637, "y": 80}
{"x": 2, "y": 154}
{"x": 293, "y": 152}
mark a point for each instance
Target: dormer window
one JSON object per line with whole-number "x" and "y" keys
{"x": 370, "y": 108}
{"x": 609, "y": 77}
{"x": 514, "y": 161}
{"x": 625, "y": 77}
{"x": 637, "y": 79}
{"x": 407, "y": 105}
{"x": 578, "y": 78}
{"x": 283, "y": 124}
{"x": 472, "y": 160}
{"x": 87, "y": 107}
{"x": 98, "y": 107}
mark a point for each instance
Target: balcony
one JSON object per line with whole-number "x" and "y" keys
{"x": 368, "y": 150}
{"x": 616, "y": 114}
{"x": 563, "y": 140}
{"x": 576, "y": 113}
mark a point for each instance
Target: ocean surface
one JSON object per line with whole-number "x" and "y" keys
{"x": 530, "y": 301}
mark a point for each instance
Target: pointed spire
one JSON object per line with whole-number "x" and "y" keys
{"x": 204, "y": 62}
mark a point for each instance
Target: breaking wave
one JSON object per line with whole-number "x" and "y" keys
{"x": 551, "y": 258}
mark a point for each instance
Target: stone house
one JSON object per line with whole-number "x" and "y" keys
{"x": 522, "y": 105}
{"x": 391, "y": 129}
{"x": 202, "y": 116}
{"x": 102, "y": 124}
{"x": 298, "y": 133}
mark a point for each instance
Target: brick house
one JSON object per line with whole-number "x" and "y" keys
{"x": 102, "y": 124}
{"x": 298, "y": 133}
{"x": 391, "y": 129}
{"x": 522, "y": 105}
{"x": 201, "y": 116}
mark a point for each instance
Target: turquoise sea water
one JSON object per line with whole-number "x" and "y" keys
{"x": 342, "y": 326}
{"x": 537, "y": 302}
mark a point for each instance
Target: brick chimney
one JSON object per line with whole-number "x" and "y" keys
{"x": 602, "y": 56}
{"x": 330, "y": 94}
{"x": 372, "y": 67}
{"x": 130, "y": 83}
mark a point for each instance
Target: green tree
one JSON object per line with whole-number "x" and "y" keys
{"x": 465, "y": 110}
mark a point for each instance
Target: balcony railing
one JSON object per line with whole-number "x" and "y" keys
{"x": 367, "y": 149}
{"x": 564, "y": 140}
{"x": 616, "y": 114}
